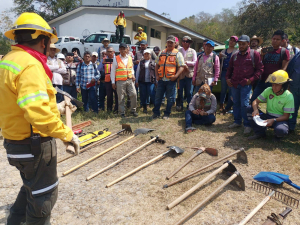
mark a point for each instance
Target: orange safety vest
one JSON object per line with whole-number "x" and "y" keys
{"x": 122, "y": 72}
{"x": 107, "y": 69}
{"x": 167, "y": 64}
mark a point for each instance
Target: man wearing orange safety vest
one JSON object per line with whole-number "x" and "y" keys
{"x": 122, "y": 79}
{"x": 169, "y": 65}
{"x": 30, "y": 120}
{"x": 106, "y": 65}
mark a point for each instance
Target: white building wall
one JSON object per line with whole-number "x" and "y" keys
{"x": 154, "y": 42}
{"x": 76, "y": 26}
{"x": 163, "y": 40}
{"x": 128, "y": 29}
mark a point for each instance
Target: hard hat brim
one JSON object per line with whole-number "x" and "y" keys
{"x": 11, "y": 34}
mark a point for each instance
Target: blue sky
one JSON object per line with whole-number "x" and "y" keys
{"x": 178, "y": 9}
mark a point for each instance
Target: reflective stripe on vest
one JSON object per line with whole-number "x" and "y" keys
{"x": 11, "y": 66}
{"x": 107, "y": 69}
{"x": 122, "y": 72}
{"x": 32, "y": 98}
{"x": 166, "y": 67}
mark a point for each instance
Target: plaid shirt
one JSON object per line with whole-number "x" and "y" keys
{"x": 85, "y": 73}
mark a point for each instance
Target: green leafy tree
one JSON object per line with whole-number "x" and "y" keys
{"x": 48, "y": 9}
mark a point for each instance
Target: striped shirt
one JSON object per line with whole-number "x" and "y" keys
{"x": 85, "y": 73}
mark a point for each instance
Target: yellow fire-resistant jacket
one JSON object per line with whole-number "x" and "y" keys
{"x": 28, "y": 97}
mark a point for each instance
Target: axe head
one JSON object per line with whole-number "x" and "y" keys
{"x": 78, "y": 103}
{"x": 176, "y": 149}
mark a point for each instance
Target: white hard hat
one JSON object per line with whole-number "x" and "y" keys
{"x": 61, "y": 56}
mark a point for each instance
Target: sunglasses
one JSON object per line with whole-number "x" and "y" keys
{"x": 186, "y": 41}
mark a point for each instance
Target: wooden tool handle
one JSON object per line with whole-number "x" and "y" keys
{"x": 232, "y": 177}
{"x": 119, "y": 160}
{"x": 183, "y": 165}
{"x": 96, "y": 156}
{"x": 70, "y": 148}
{"x": 193, "y": 189}
{"x": 88, "y": 147}
{"x": 135, "y": 170}
{"x": 201, "y": 169}
{"x": 256, "y": 209}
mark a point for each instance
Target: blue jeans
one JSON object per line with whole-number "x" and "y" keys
{"x": 224, "y": 88}
{"x": 102, "y": 94}
{"x": 146, "y": 91}
{"x": 281, "y": 129}
{"x": 260, "y": 87}
{"x": 72, "y": 91}
{"x": 168, "y": 87}
{"x": 241, "y": 96}
{"x": 296, "y": 92}
{"x": 89, "y": 95}
{"x": 186, "y": 84}
{"x": 198, "y": 119}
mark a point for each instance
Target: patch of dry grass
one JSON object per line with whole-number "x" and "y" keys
{"x": 140, "y": 199}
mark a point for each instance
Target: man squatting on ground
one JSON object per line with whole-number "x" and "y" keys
{"x": 30, "y": 120}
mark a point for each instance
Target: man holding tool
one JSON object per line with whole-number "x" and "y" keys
{"x": 30, "y": 119}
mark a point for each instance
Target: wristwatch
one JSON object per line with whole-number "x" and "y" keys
{"x": 274, "y": 120}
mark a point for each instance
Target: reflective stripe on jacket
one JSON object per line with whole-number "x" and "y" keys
{"x": 122, "y": 72}
{"x": 107, "y": 69}
{"x": 28, "y": 97}
{"x": 167, "y": 64}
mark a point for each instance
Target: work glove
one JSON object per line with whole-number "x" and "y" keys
{"x": 62, "y": 107}
{"x": 76, "y": 143}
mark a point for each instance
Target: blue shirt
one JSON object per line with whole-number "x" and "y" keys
{"x": 85, "y": 73}
{"x": 226, "y": 60}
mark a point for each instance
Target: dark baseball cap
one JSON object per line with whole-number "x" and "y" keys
{"x": 156, "y": 49}
{"x": 244, "y": 38}
{"x": 122, "y": 45}
{"x": 171, "y": 38}
{"x": 143, "y": 42}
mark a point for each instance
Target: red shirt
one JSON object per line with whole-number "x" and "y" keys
{"x": 273, "y": 62}
{"x": 241, "y": 68}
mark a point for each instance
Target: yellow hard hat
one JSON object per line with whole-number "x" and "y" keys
{"x": 140, "y": 28}
{"x": 278, "y": 77}
{"x": 32, "y": 21}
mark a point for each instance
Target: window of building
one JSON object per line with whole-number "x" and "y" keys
{"x": 136, "y": 26}
{"x": 155, "y": 34}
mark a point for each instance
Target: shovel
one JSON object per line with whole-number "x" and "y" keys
{"x": 210, "y": 151}
{"x": 235, "y": 178}
{"x": 153, "y": 139}
{"x": 241, "y": 156}
{"x": 136, "y": 133}
{"x": 275, "y": 178}
{"x": 171, "y": 149}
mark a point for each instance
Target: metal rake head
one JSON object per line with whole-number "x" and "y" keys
{"x": 286, "y": 199}
{"x": 126, "y": 129}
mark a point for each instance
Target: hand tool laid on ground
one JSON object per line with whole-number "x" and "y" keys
{"x": 78, "y": 103}
{"x": 241, "y": 156}
{"x": 227, "y": 164}
{"x": 275, "y": 219}
{"x": 82, "y": 125}
{"x": 271, "y": 193}
{"x": 153, "y": 139}
{"x": 171, "y": 149}
{"x": 125, "y": 129}
{"x": 235, "y": 178}
{"x": 70, "y": 147}
{"x": 275, "y": 178}
{"x": 79, "y": 131}
{"x": 136, "y": 133}
{"x": 210, "y": 151}
{"x": 93, "y": 137}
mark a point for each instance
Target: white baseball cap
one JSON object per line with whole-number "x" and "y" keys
{"x": 147, "y": 51}
{"x": 61, "y": 56}
{"x": 95, "y": 54}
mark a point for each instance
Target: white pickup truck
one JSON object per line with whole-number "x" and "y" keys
{"x": 92, "y": 43}
{"x": 68, "y": 44}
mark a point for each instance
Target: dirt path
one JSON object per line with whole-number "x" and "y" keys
{"x": 140, "y": 198}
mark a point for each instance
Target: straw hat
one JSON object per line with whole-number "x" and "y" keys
{"x": 260, "y": 40}
{"x": 105, "y": 39}
{"x": 53, "y": 46}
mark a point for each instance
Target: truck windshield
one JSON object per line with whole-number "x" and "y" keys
{"x": 59, "y": 40}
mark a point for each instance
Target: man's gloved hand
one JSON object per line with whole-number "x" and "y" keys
{"x": 75, "y": 141}
{"x": 62, "y": 107}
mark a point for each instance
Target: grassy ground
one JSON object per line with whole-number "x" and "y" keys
{"x": 140, "y": 199}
